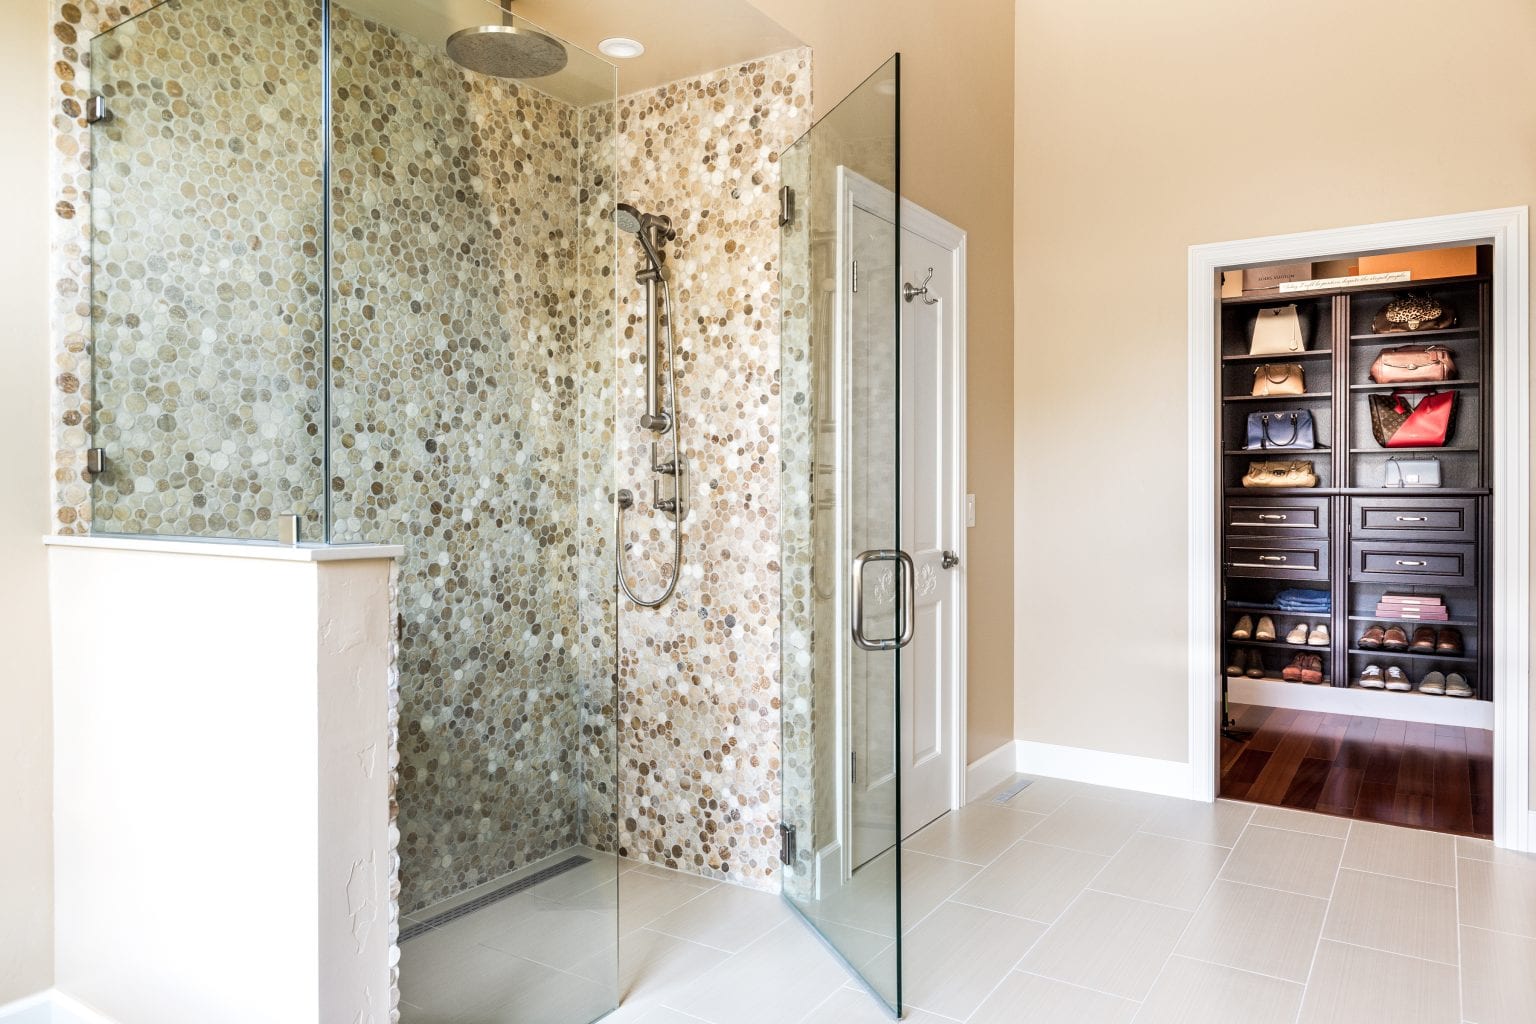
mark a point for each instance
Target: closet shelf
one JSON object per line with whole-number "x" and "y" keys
{"x": 1310, "y": 395}
{"x": 1460, "y": 658}
{"x": 1284, "y": 357}
{"x": 1273, "y": 454}
{"x": 1442, "y": 332}
{"x": 1281, "y": 644}
{"x": 1458, "y": 623}
{"x": 1394, "y": 451}
{"x": 1437, "y": 385}
{"x": 1286, "y": 298}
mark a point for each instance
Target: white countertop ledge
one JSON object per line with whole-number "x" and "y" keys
{"x": 214, "y": 548}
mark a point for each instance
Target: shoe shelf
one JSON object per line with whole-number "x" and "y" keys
{"x": 1456, "y": 623}
{"x": 1415, "y": 692}
{"x": 1280, "y": 645}
{"x": 1296, "y": 357}
{"x": 1414, "y": 655}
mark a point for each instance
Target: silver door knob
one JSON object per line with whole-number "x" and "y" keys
{"x": 950, "y": 560}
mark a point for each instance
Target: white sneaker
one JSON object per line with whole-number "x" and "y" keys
{"x": 1318, "y": 637}
{"x": 1297, "y": 635}
{"x": 1396, "y": 680}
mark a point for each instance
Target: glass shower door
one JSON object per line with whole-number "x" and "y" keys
{"x": 846, "y": 584}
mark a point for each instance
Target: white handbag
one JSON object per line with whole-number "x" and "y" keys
{"x": 1277, "y": 331}
{"x": 1412, "y": 473}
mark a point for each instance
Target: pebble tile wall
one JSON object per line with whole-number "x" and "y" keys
{"x": 698, "y": 678}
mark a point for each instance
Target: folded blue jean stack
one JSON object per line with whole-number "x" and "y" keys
{"x": 1317, "y": 602}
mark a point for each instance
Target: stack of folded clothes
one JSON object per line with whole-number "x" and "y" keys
{"x": 1311, "y": 602}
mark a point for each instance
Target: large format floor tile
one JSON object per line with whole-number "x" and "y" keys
{"x": 1196, "y": 992}
{"x": 1355, "y": 985}
{"x": 1089, "y": 825}
{"x": 1218, "y": 824}
{"x": 1158, "y": 869}
{"x": 1298, "y": 862}
{"x": 781, "y": 977}
{"x": 1498, "y": 895}
{"x": 726, "y": 917}
{"x": 954, "y": 959}
{"x": 1029, "y": 997}
{"x": 1404, "y": 852}
{"x": 1255, "y": 929}
{"x": 1108, "y": 943}
{"x": 1397, "y": 915}
{"x": 1030, "y": 880}
{"x": 1498, "y": 977}
{"x": 975, "y": 834}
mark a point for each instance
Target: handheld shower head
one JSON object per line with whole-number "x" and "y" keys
{"x": 649, "y": 228}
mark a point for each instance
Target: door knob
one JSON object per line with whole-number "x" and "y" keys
{"x": 950, "y": 560}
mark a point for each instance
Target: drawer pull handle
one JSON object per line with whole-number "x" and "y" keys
{"x": 1409, "y": 561}
{"x": 1413, "y": 519}
{"x": 1273, "y": 518}
{"x": 1272, "y": 558}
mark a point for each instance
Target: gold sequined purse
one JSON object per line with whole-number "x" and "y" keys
{"x": 1413, "y": 313}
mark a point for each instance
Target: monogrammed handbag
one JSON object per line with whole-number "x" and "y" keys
{"x": 1277, "y": 332}
{"x": 1279, "y": 379}
{"x": 1280, "y": 474}
{"x": 1413, "y": 364}
{"x": 1412, "y": 419}
{"x": 1291, "y": 428}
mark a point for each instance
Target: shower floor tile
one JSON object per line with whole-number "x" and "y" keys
{"x": 697, "y": 952}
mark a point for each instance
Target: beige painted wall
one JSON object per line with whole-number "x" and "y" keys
{"x": 26, "y": 750}
{"x": 957, "y": 117}
{"x": 1139, "y": 133}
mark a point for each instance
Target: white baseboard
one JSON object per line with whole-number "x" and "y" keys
{"x": 50, "y": 1007}
{"x": 1339, "y": 700}
{"x": 1102, "y": 768}
{"x": 990, "y": 769}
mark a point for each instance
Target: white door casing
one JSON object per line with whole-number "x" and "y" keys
{"x": 1514, "y": 821}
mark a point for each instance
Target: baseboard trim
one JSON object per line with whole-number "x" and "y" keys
{"x": 990, "y": 769}
{"x": 1102, "y": 768}
{"x": 60, "y": 1009}
{"x": 1339, "y": 700}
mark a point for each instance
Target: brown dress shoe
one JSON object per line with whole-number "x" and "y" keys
{"x": 1423, "y": 640}
{"x": 1395, "y": 639}
{"x": 1371, "y": 639}
{"x": 1449, "y": 642}
{"x": 1311, "y": 669}
{"x": 1292, "y": 672}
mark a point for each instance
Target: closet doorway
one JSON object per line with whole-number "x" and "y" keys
{"x": 1359, "y": 514}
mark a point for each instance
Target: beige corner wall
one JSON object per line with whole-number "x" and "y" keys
{"x": 1141, "y": 130}
{"x": 26, "y": 751}
{"x": 957, "y": 118}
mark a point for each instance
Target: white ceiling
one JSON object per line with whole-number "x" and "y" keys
{"x": 682, "y": 38}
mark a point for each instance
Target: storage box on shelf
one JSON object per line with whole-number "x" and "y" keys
{"x": 1353, "y": 537}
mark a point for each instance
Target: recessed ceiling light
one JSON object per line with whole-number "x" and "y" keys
{"x": 621, "y": 47}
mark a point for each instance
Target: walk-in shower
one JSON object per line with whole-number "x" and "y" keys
{"x": 671, "y": 499}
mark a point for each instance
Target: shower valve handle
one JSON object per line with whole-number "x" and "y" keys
{"x": 667, "y": 468}
{"x": 659, "y": 503}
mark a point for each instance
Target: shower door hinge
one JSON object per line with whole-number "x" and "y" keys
{"x": 96, "y": 109}
{"x": 786, "y": 206}
{"x": 855, "y": 277}
{"x": 787, "y": 844}
{"x": 853, "y": 769}
{"x": 95, "y": 461}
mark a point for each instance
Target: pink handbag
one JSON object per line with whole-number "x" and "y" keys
{"x": 1413, "y": 364}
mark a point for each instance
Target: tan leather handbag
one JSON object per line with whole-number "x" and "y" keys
{"x": 1279, "y": 379}
{"x": 1412, "y": 364}
{"x": 1277, "y": 331}
{"x": 1292, "y": 473}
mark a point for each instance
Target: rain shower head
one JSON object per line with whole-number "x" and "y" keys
{"x": 506, "y": 50}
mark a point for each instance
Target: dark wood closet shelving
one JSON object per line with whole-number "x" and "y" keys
{"x": 1341, "y": 538}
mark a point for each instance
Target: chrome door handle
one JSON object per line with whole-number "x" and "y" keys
{"x": 950, "y": 560}
{"x": 1407, "y": 562}
{"x": 1272, "y": 518}
{"x": 906, "y": 578}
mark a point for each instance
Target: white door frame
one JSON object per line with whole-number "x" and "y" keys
{"x": 855, "y": 190}
{"x": 1514, "y": 822}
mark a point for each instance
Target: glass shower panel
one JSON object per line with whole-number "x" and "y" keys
{"x": 472, "y": 360}
{"x": 207, "y": 299}
{"x": 845, "y": 582}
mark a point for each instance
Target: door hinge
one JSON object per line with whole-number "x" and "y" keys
{"x": 95, "y": 461}
{"x": 787, "y": 844}
{"x": 853, "y": 770}
{"x": 786, "y": 206}
{"x": 855, "y": 277}
{"x": 96, "y": 109}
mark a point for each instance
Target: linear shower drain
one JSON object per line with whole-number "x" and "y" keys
{"x": 410, "y": 931}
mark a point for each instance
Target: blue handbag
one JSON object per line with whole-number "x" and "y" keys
{"x": 1290, "y": 428}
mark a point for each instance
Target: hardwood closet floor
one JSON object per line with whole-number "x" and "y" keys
{"x": 1402, "y": 773}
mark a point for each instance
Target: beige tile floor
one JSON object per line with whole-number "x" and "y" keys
{"x": 1071, "y": 903}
